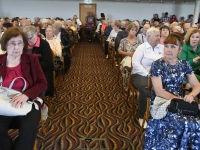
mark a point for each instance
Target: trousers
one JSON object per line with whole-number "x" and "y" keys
{"x": 140, "y": 82}
{"x": 27, "y": 126}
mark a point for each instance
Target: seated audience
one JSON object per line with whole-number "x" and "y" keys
{"x": 53, "y": 42}
{"x": 194, "y": 26}
{"x": 141, "y": 38}
{"x": 175, "y": 130}
{"x": 63, "y": 38}
{"x": 173, "y": 19}
{"x": 41, "y": 48}
{"x": 44, "y": 25}
{"x": 89, "y": 29}
{"x": 90, "y": 18}
{"x": 191, "y": 51}
{"x": 142, "y": 59}
{"x": 127, "y": 47}
{"x": 165, "y": 18}
{"x": 38, "y": 27}
{"x": 15, "y": 22}
{"x": 103, "y": 27}
{"x": 155, "y": 18}
{"x": 109, "y": 28}
{"x": 123, "y": 25}
{"x": 164, "y": 32}
{"x": 109, "y": 43}
{"x": 121, "y": 35}
{"x": 36, "y": 20}
{"x": 177, "y": 29}
{"x": 186, "y": 27}
{"x": 190, "y": 19}
{"x": 75, "y": 18}
{"x": 20, "y": 64}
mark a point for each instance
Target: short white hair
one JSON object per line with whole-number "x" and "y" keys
{"x": 151, "y": 31}
{"x": 43, "y": 21}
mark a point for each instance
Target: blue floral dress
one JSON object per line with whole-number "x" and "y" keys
{"x": 174, "y": 131}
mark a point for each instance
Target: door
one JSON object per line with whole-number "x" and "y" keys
{"x": 84, "y": 9}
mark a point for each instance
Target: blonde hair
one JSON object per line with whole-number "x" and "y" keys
{"x": 131, "y": 26}
{"x": 43, "y": 21}
{"x": 56, "y": 26}
{"x": 189, "y": 33}
{"x": 146, "y": 26}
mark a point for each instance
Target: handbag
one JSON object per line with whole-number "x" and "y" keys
{"x": 180, "y": 106}
{"x": 159, "y": 108}
{"x": 126, "y": 61}
{"x": 6, "y": 94}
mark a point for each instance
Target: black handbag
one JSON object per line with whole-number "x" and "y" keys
{"x": 183, "y": 107}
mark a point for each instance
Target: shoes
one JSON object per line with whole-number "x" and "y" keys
{"x": 106, "y": 56}
{"x": 145, "y": 123}
{"x": 44, "y": 113}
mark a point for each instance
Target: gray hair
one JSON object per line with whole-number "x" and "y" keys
{"x": 151, "y": 31}
{"x": 29, "y": 30}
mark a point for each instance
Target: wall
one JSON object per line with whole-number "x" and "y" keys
{"x": 115, "y": 10}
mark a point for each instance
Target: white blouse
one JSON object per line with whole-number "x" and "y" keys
{"x": 144, "y": 57}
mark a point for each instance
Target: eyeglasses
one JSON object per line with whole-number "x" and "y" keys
{"x": 12, "y": 44}
{"x": 31, "y": 37}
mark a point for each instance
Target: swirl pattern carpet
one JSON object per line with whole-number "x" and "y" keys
{"x": 90, "y": 103}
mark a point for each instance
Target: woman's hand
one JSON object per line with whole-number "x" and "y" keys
{"x": 195, "y": 60}
{"x": 130, "y": 54}
{"x": 19, "y": 100}
{"x": 189, "y": 98}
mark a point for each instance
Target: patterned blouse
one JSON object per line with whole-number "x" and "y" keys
{"x": 126, "y": 46}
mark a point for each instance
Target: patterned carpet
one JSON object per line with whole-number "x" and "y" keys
{"x": 90, "y": 103}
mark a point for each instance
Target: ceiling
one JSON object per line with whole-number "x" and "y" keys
{"x": 139, "y": 1}
{"x": 149, "y": 1}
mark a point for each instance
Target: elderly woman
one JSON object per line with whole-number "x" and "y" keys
{"x": 111, "y": 38}
{"x": 127, "y": 47}
{"x": 175, "y": 130}
{"x": 16, "y": 63}
{"x": 63, "y": 38}
{"x": 44, "y": 25}
{"x": 141, "y": 38}
{"x": 191, "y": 50}
{"x": 41, "y": 48}
{"x": 53, "y": 42}
{"x": 164, "y": 32}
{"x": 142, "y": 59}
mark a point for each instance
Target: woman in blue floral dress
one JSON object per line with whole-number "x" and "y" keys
{"x": 174, "y": 131}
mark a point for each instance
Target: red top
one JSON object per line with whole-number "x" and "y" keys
{"x": 12, "y": 73}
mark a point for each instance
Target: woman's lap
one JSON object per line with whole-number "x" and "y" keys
{"x": 172, "y": 132}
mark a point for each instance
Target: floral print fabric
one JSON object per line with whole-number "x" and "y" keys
{"x": 174, "y": 131}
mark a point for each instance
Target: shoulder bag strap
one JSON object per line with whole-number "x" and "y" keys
{"x": 13, "y": 81}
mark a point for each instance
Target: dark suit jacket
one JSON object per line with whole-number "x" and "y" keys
{"x": 32, "y": 72}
